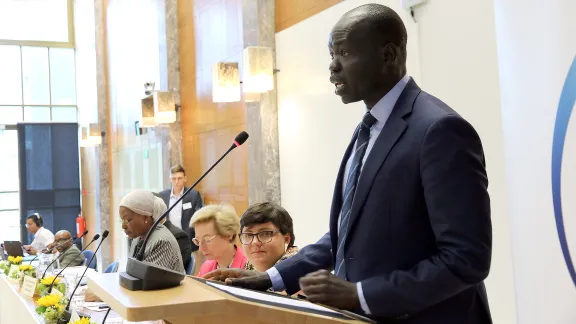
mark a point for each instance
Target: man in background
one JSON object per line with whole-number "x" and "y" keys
{"x": 69, "y": 253}
{"x": 181, "y": 214}
{"x": 42, "y": 236}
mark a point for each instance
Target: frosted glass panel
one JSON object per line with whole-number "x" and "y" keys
{"x": 10, "y": 115}
{"x": 36, "y": 114}
{"x": 9, "y": 161}
{"x": 10, "y": 229}
{"x": 10, "y": 76}
{"x": 64, "y": 114}
{"x": 62, "y": 80}
{"x": 37, "y": 20}
{"x": 35, "y": 75}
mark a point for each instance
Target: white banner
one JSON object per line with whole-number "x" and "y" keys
{"x": 537, "y": 63}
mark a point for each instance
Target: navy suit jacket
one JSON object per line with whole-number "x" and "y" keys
{"x": 195, "y": 200}
{"x": 420, "y": 235}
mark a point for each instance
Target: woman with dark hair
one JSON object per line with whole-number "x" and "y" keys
{"x": 267, "y": 236}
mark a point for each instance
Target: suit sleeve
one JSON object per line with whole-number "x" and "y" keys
{"x": 311, "y": 258}
{"x": 455, "y": 188}
{"x": 185, "y": 247}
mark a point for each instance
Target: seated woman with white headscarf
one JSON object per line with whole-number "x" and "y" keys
{"x": 138, "y": 211}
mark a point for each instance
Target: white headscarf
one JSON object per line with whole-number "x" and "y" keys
{"x": 145, "y": 203}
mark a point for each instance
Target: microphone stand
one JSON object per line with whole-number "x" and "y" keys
{"x": 106, "y": 316}
{"x": 67, "y": 313}
{"x": 97, "y": 236}
{"x": 239, "y": 140}
{"x": 51, "y": 263}
{"x": 141, "y": 275}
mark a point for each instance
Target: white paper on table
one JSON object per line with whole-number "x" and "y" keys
{"x": 267, "y": 298}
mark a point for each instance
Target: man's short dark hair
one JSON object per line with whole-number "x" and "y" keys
{"x": 37, "y": 219}
{"x": 177, "y": 168}
{"x": 269, "y": 212}
{"x": 383, "y": 21}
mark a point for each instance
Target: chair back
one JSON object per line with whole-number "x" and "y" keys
{"x": 190, "y": 269}
{"x": 88, "y": 254}
{"x": 113, "y": 267}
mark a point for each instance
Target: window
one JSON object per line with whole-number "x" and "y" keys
{"x": 38, "y": 84}
{"x": 37, "y": 22}
{"x": 9, "y": 187}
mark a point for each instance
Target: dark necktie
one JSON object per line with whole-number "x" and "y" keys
{"x": 353, "y": 175}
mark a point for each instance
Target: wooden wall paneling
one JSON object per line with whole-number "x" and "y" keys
{"x": 291, "y": 12}
{"x": 209, "y": 32}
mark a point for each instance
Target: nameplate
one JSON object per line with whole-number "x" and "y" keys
{"x": 74, "y": 316}
{"x": 13, "y": 269}
{"x": 29, "y": 286}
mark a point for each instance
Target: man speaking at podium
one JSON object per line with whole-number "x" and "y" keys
{"x": 410, "y": 232}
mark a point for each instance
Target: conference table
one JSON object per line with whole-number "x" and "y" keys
{"x": 16, "y": 308}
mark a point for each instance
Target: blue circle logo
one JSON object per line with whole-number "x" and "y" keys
{"x": 565, "y": 105}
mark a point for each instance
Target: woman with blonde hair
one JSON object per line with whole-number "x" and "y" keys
{"x": 217, "y": 228}
{"x": 138, "y": 211}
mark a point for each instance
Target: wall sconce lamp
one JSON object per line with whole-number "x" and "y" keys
{"x": 95, "y": 134}
{"x": 225, "y": 82}
{"x": 158, "y": 108}
{"x": 90, "y": 135}
{"x": 258, "y": 69}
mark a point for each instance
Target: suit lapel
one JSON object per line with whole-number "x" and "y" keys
{"x": 393, "y": 129}
{"x": 337, "y": 196}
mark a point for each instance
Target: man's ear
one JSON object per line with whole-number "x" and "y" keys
{"x": 389, "y": 53}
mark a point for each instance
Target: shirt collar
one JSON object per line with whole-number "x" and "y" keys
{"x": 381, "y": 110}
{"x": 172, "y": 195}
{"x": 38, "y": 232}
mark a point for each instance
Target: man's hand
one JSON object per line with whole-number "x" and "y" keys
{"x": 241, "y": 278}
{"x": 31, "y": 250}
{"x": 325, "y": 288}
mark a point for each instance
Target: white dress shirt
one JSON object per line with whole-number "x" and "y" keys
{"x": 381, "y": 111}
{"x": 176, "y": 213}
{"x": 42, "y": 238}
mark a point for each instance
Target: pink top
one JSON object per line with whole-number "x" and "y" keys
{"x": 239, "y": 262}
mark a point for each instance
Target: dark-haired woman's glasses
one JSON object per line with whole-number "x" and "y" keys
{"x": 263, "y": 237}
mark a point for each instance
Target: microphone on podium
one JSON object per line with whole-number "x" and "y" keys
{"x": 141, "y": 275}
{"x": 97, "y": 236}
{"x": 67, "y": 313}
{"x": 68, "y": 240}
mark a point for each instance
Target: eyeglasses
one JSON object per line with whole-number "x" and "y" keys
{"x": 61, "y": 240}
{"x": 263, "y": 237}
{"x": 205, "y": 239}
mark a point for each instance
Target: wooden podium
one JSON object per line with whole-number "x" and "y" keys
{"x": 194, "y": 302}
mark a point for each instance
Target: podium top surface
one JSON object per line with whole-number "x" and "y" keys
{"x": 193, "y": 299}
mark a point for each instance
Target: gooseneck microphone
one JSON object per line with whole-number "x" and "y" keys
{"x": 239, "y": 140}
{"x": 68, "y": 240}
{"x": 67, "y": 315}
{"x": 104, "y": 236}
{"x": 97, "y": 236}
{"x": 141, "y": 275}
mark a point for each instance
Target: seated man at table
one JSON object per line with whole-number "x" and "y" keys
{"x": 69, "y": 253}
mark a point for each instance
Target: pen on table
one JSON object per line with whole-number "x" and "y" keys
{"x": 103, "y": 306}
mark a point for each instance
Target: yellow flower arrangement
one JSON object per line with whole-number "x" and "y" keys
{"x": 47, "y": 281}
{"x": 51, "y": 307}
{"x": 15, "y": 260}
{"x": 48, "y": 300}
{"x": 83, "y": 320}
{"x": 25, "y": 267}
